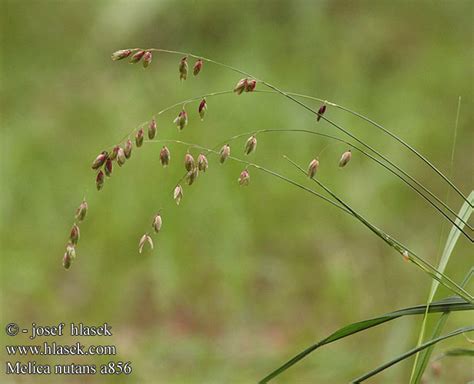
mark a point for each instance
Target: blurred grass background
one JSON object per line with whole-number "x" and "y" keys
{"x": 241, "y": 278}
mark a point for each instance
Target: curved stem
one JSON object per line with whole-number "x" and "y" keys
{"x": 289, "y": 96}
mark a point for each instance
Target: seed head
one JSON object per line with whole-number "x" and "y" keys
{"x": 165, "y": 156}
{"x": 143, "y": 240}
{"x": 108, "y": 167}
{"x": 188, "y": 162}
{"x": 250, "y": 86}
{"x": 202, "y": 108}
{"x": 137, "y": 57}
{"x": 203, "y": 164}
{"x": 178, "y": 194}
{"x": 197, "y": 67}
{"x": 81, "y": 211}
{"x": 152, "y": 129}
{"x": 224, "y": 153}
{"x": 157, "y": 222}
{"x": 183, "y": 68}
{"x": 71, "y": 250}
{"x": 121, "y": 158}
{"x": 192, "y": 175}
{"x": 250, "y": 145}
{"x": 122, "y": 54}
{"x": 75, "y": 234}
{"x": 147, "y": 57}
{"x": 240, "y": 86}
{"x": 313, "y": 168}
{"x": 321, "y": 111}
{"x": 66, "y": 260}
{"x": 128, "y": 149}
{"x": 113, "y": 154}
{"x": 99, "y": 180}
{"x": 244, "y": 178}
{"x": 100, "y": 160}
{"x": 139, "y": 137}
{"x": 345, "y": 158}
{"x": 181, "y": 120}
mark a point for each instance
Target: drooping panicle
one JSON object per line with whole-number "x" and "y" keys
{"x": 152, "y": 129}
{"x": 321, "y": 111}
{"x": 99, "y": 160}
{"x": 99, "y": 180}
{"x": 250, "y": 145}
{"x": 139, "y": 137}
{"x": 345, "y": 158}
{"x": 147, "y": 58}
{"x": 183, "y": 68}
{"x": 181, "y": 120}
{"x": 188, "y": 161}
{"x": 202, "y": 108}
{"x": 165, "y": 156}
{"x": 157, "y": 222}
{"x": 178, "y": 194}
{"x": 244, "y": 178}
{"x": 121, "y": 54}
{"x": 313, "y": 168}
{"x": 224, "y": 153}
{"x": 82, "y": 211}
{"x": 128, "y": 149}
{"x": 197, "y": 67}
{"x": 203, "y": 164}
{"x": 137, "y": 57}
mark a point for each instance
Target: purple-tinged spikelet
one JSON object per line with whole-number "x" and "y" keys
{"x": 152, "y": 129}
{"x": 99, "y": 180}
{"x": 128, "y": 149}
{"x": 188, "y": 162}
{"x": 202, "y": 108}
{"x": 240, "y": 86}
{"x": 71, "y": 250}
{"x": 192, "y": 175}
{"x": 147, "y": 58}
{"x": 224, "y": 153}
{"x": 345, "y": 158}
{"x": 100, "y": 160}
{"x": 75, "y": 234}
{"x": 121, "y": 54}
{"x": 321, "y": 111}
{"x": 121, "y": 158}
{"x": 139, "y": 137}
{"x": 250, "y": 145}
{"x": 203, "y": 164}
{"x": 197, "y": 67}
{"x": 181, "y": 120}
{"x": 114, "y": 153}
{"x": 244, "y": 178}
{"x": 66, "y": 261}
{"x": 137, "y": 57}
{"x": 108, "y": 167}
{"x": 250, "y": 86}
{"x": 165, "y": 156}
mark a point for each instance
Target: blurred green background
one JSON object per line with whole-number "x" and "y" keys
{"x": 241, "y": 279}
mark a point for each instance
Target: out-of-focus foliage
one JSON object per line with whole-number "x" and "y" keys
{"x": 240, "y": 278}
